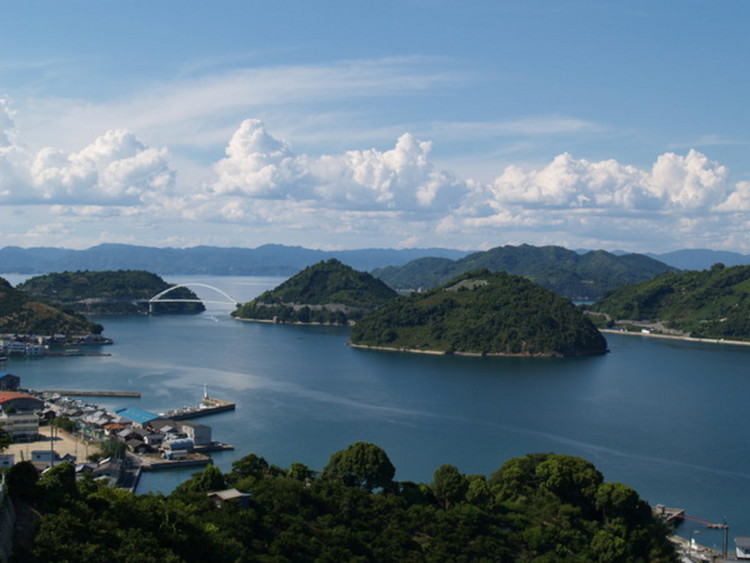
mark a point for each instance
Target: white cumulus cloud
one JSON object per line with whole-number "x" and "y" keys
{"x": 403, "y": 178}
{"x": 115, "y": 169}
{"x": 677, "y": 183}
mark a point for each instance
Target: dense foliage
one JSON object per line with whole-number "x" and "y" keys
{"x": 541, "y": 507}
{"x": 711, "y": 303}
{"x": 20, "y": 313}
{"x": 569, "y": 274}
{"x": 482, "y": 312}
{"x": 328, "y": 293}
{"x": 121, "y": 292}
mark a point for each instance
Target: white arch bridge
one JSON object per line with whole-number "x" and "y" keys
{"x": 159, "y": 297}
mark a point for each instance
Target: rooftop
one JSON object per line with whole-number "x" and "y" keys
{"x": 10, "y": 395}
{"x": 136, "y": 415}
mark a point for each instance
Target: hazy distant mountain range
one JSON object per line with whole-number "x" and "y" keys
{"x": 267, "y": 260}
{"x": 701, "y": 259}
{"x": 578, "y": 276}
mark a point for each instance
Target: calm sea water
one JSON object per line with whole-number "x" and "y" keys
{"x": 668, "y": 418}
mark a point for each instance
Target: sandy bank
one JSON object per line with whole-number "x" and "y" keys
{"x": 677, "y": 337}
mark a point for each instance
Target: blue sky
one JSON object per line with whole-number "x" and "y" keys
{"x": 589, "y": 124}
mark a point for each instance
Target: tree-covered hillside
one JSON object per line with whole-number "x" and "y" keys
{"x": 712, "y": 303}
{"x": 569, "y": 274}
{"x": 20, "y": 313}
{"x": 328, "y": 292}
{"x": 482, "y": 312}
{"x": 120, "y": 292}
{"x": 540, "y": 507}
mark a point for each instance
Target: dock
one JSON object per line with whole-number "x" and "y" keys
{"x": 672, "y": 516}
{"x": 75, "y": 354}
{"x": 79, "y": 393}
{"x": 688, "y": 547}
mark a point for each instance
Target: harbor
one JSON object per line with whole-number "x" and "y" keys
{"x": 118, "y": 444}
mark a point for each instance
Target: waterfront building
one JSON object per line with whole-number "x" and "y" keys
{"x": 199, "y": 433}
{"x": 178, "y": 444}
{"x": 138, "y": 417}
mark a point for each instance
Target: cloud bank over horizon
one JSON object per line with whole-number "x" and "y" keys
{"x": 397, "y": 196}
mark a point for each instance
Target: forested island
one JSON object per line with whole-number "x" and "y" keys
{"x": 21, "y": 313}
{"x": 482, "y": 312}
{"x": 540, "y": 507}
{"x": 582, "y": 277}
{"x": 325, "y": 293}
{"x": 713, "y": 303}
{"x": 114, "y": 292}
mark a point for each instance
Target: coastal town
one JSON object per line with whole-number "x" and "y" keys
{"x": 49, "y": 427}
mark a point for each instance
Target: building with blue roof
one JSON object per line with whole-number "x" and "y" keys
{"x": 138, "y": 417}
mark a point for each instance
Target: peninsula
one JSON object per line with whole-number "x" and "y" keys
{"x": 482, "y": 313}
{"x": 705, "y": 304}
{"x": 120, "y": 292}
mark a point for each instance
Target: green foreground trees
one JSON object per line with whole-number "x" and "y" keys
{"x": 541, "y": 507}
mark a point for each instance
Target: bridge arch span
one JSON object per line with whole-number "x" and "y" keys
{"x": 158, "y": 297}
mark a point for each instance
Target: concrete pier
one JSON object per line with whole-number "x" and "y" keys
{"x": 78, "y": 393}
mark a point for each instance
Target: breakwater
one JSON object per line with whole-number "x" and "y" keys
{"x": 79, "y": 393}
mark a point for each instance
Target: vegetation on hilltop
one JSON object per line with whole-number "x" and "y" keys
{"x": 120, "y": 292}
{"x": 20, "y": 313}
{"x": 328, "y": 292}
{"x": 541, "y": 507}
{"x": 569, "y": 274}
{"x": 482, "y": 312}
{"x": 712, "y": 303}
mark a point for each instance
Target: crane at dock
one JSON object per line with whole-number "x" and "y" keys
{"x": 724, "y": 527}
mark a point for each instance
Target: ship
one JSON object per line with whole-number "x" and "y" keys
{"x": 207, "y": 406}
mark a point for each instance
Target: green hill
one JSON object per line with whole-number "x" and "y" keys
{"x": 22, "y": 314}
{"x": 328, "y": 292}
{"x": 539, "y": 507}
{"x": 576, "y": 276}
{"x": 482, "y": 313}
{"x": 711, "y": 303}
{"x": 121, "y": 292}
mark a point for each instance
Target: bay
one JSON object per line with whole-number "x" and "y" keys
{"x": 666, "y": 417}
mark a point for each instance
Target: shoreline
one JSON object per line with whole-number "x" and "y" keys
{"x": 295, "y": 323}
{"x": 463, "y": 354}
{"x": 676, "y": 337}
